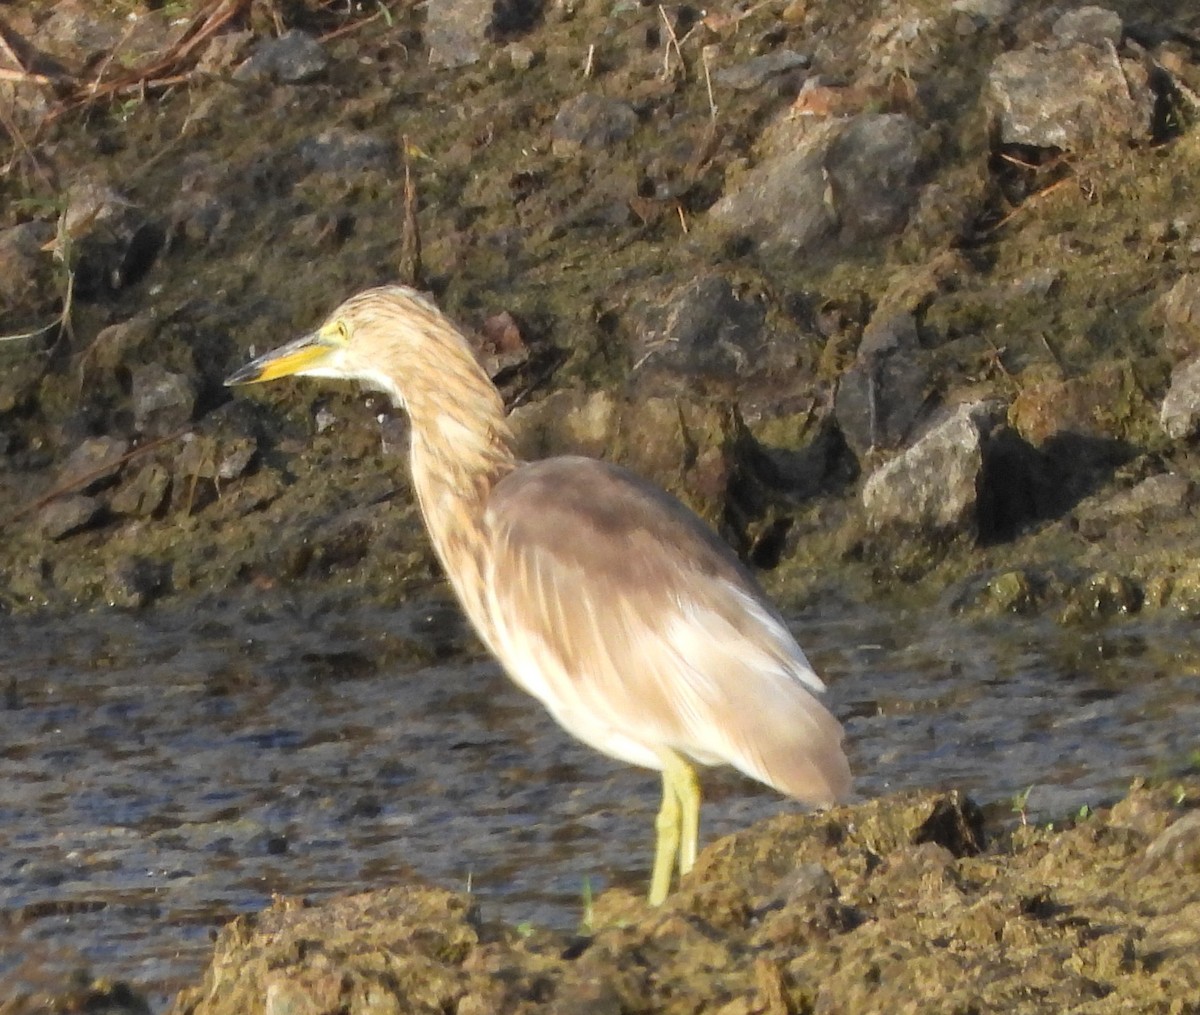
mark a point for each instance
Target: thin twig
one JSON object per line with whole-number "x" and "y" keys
{"x": 411, "y": 269}
{"x": 32, "y": 334}
{"x": 27, "y": 77}
{"x": 1028, "y": 201}
{"x": 671, "y": 41}
{"x": 354, "y": 26}
{"x": 712, "y": 103}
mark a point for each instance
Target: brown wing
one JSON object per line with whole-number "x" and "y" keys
{"x": 640, "y": 630}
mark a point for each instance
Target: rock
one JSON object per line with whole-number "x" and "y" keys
{"x": 66, "y": 515}
{"x": 853, "y": 180}
{"x": 933, "y": 487}
{"x": 234, "y": 457}
{"x": 702, "y": 329}
{"x": 783, "y": 204}
{"x": 1095, "y": 26}
{"x": 1102, "y": 596}
{"x": 520, "y": 57}
{"x": 25, "y": 265}
{"x": 133, "y": 582}
{"x": 292, "y": 58}
{"x": 1156, "y": 499}
{"x": 346, "y": 151}
{"x": 568, "y": 421}
{"x": 1089, "y": 406}
{"x": 1179, "y": 308}
{"x": 457, "y": 30}
{"x": 1180, "y": 305}
{"x": 110, "y": 351}
{"x": 1009, "y": 592}
{"x": 984, "y": 11}
{"x": 1180, "y": 412}
{"x": 79, "y": 32}
{"x": 873, "y": 167}
{"x": 1178, "y": 847}
{"x": 225, "y": 50}
{"x": 144, "y": 493}
{"x": 683, "y": 445}
{"x": 1075, "y": 96}
{"x": 26, "y": 103}
{"x": 162, "y": 401}
{"x": 93, "y": 464}
{"x": 591, "y": 121}
{"x": 112, "y": 243}
{"x": 881, "y": 396}
{"x": 754, "y": 73}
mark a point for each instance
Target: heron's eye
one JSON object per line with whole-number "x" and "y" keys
{"x": 337, "y": 331}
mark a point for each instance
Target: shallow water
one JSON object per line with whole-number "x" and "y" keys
{"x": 163, "y": 772}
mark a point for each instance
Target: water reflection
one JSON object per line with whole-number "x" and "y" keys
{"x": 163, "y": 772}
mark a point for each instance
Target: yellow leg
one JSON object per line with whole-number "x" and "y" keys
{"x": 666, "y": 842}
{"x": 687, "y": 790}
{"x": 677, "y": 826}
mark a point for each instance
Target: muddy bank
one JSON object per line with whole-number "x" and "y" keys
{"x": 899, "y": 297}
{"x": 896, "y": 905}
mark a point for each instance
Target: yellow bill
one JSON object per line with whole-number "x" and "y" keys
{"x": 296, "y": 357}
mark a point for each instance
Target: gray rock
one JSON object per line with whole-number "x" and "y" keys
{"x": 144, "y": 493}
{"x": 133, "y": 582}
{"x": 92, "y": 464}
{"x": 1180, "y": 306}
{"x": 853, "y": 180}
{"x": 751, "y": 74}
{"x": 986, "y": 11}
{"x": 520, "y": 56}
{"x": 1075, "y": 97}
{"x": 1095, "y": 26}
{"x": 224, "y": 51}
{"x": 783, "y": 204}
{"x": 345, "y": 151}
{"x": 1178, "y": 845}
{"x": 591, "y": 121}
{"x": 1180, "y": 412}
{"x": 881, "y": 396}
{"x": 873, "y": 167}
{"x": 933, "y": 487}
{"x": 704, "y": 329}
{"x": 162, "y": 401}
{"x": 67, "y": 515}
{"x": 457, "y": 30}
{"x": 293, "y": 58}
{"x": 24, "y": 262}
{"x": 235, "y": 457}
{"x": 1156, "y": 499}
{"x": 78, "y": 32}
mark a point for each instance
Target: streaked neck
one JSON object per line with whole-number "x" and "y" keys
{"x": 461, "y": 446}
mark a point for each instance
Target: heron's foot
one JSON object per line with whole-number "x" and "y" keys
{"x": 677, "y": 827}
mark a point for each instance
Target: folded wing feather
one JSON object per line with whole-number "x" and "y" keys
{"x": 640, "y": 630}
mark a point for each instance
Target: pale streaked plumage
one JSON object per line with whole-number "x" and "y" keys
{"x": 601, "y": 595}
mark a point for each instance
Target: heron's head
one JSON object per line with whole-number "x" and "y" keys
{"x": 387, "y": 338}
